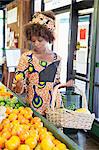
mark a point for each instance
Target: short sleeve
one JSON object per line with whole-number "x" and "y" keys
{"x": 23, "y": 63}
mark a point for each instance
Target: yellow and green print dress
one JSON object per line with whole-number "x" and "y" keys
{"x": 40, "y": 77}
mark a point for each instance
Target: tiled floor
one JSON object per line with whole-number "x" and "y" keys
{"x": 85, "y": 141}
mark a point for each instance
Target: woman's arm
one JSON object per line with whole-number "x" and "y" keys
{"x": 19, "y": 82}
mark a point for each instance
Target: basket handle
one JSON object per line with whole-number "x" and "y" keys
{"x": 59, "y": 86}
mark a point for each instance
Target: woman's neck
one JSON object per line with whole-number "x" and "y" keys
{"x": 41, "y": 52}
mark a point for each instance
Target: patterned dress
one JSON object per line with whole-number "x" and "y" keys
{"x": 39, "y": 93}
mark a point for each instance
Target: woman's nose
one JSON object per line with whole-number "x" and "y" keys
{"x": 36, "y": 43}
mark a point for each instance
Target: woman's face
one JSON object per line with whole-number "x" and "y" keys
{"x": 39, "y": 44}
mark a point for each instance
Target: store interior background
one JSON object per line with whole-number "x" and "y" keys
{"x": 81, "y": 56}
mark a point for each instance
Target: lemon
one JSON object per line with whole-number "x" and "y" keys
{"x": 24, "y": 147}
{"x": 46, "y": 143}
{"x": 61, "y": 146}
{"x": 19, "y": 77}
{"x": 82, "y": 110}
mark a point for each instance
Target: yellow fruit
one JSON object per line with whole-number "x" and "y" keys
{"x": 55, "y": 148}
{"x": 15, "y": 111}
{"x": 24, "y": 135}
{"x": 56, "y": 142}
{"x": 12, "y": 117}
{"x": 32, "y": 142}
{"x": 19, "y": 77}
{"x": 46, "y": 143}
{"x": 38, "y": 147}
{"x": 61, "y": 146}
{"x": 1, "y": 127}
{"x": 9, "y": 110}
{"x": 83, "y": 110}
{"x": 2, "y": 141}
{"x": 24, "y": 147}
{"x": 6, "y": 135}
{"x": 13, "y": 143}
{"x": 28, "y": 115}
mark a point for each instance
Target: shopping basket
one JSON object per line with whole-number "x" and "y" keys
{"x": 62, "y": 117}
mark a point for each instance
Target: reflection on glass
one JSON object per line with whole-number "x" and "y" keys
{"x": 61, "y": 42}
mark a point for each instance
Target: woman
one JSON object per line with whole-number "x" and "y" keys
{"x": 38, "y": 69}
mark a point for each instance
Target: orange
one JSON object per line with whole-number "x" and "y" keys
{"x": 12, "y": 117}
{"x": 7, "y": 127}
{"x": 24, "y": 121}
{"x": 16, "y": 111}
{"x": 29, "y": 110}
{"x": 25, "y": 127}
{"x": 38, "y": 125}
{"x": 17, "y": 130}
{"x": 6, "y": 135}
{"x": 23, "y": 111}
{"x": 23, "y": 136}
{"x": 40, "y": 130}
{"x": 50, "y": 135}
{"x": 61, "y": 146}
{"x": 34, "y": 134}
{"x": 15, "y": 122}
{"x": 20, "y": 117}
{"x": 2, "y": 141}
{"x": 55, "y": 148}
{"x": 24, "y": 147}
{"x": 43, "y": 135}
{"x": 28, "y": 115}
{"x": 5, "y": 122}
{"x": 31, "y": 142}
{"x": 20, "y": 108}
{"x": 56, "y": 142}
{"x": 46, "y": 143}
{"x": 38, "y": 147}
{"x": 9, "y": 110}
{"x": 1, "y": 127}
{"x": 13, "y": 143}
{"x": 36, "y": 119}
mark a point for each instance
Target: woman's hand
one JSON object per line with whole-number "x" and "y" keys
{"x": 70, "y": 83}
{"x": 18, "y": 87}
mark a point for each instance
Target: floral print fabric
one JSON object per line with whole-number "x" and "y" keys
{"x": 39, "y": 94}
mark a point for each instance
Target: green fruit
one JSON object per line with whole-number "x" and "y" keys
{"x": 7, "y": 105}
{"x": 14, "y": 100}
{"x": 17, "y": 105}
{"x": 1, "y": 99}
{"x": 2, "y": 103}
{"x": 12, "y": 105}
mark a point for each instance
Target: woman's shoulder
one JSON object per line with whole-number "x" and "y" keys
{"x": 26, "y": 53}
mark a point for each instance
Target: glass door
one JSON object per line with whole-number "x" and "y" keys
{"x": 82, "y": 53}
{"x": 61, "y": 43}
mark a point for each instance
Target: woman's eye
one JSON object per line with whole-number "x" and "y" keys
{"x": 40, "y": 39}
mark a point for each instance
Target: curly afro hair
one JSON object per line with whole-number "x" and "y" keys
{"x": 40, "y": 30}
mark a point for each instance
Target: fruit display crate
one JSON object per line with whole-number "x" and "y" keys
{"x": 56, "y": 132}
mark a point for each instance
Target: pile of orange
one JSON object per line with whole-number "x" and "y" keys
{"x": 20, "y": 131}
{"x": 4, "y": 92}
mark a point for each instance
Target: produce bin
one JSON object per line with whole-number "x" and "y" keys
{"x": 56, "y": 132}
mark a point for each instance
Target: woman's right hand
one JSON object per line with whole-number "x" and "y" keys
{"x": 18, "y": 87}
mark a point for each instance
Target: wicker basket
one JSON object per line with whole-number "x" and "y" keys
{"x": 62, "y": 117}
